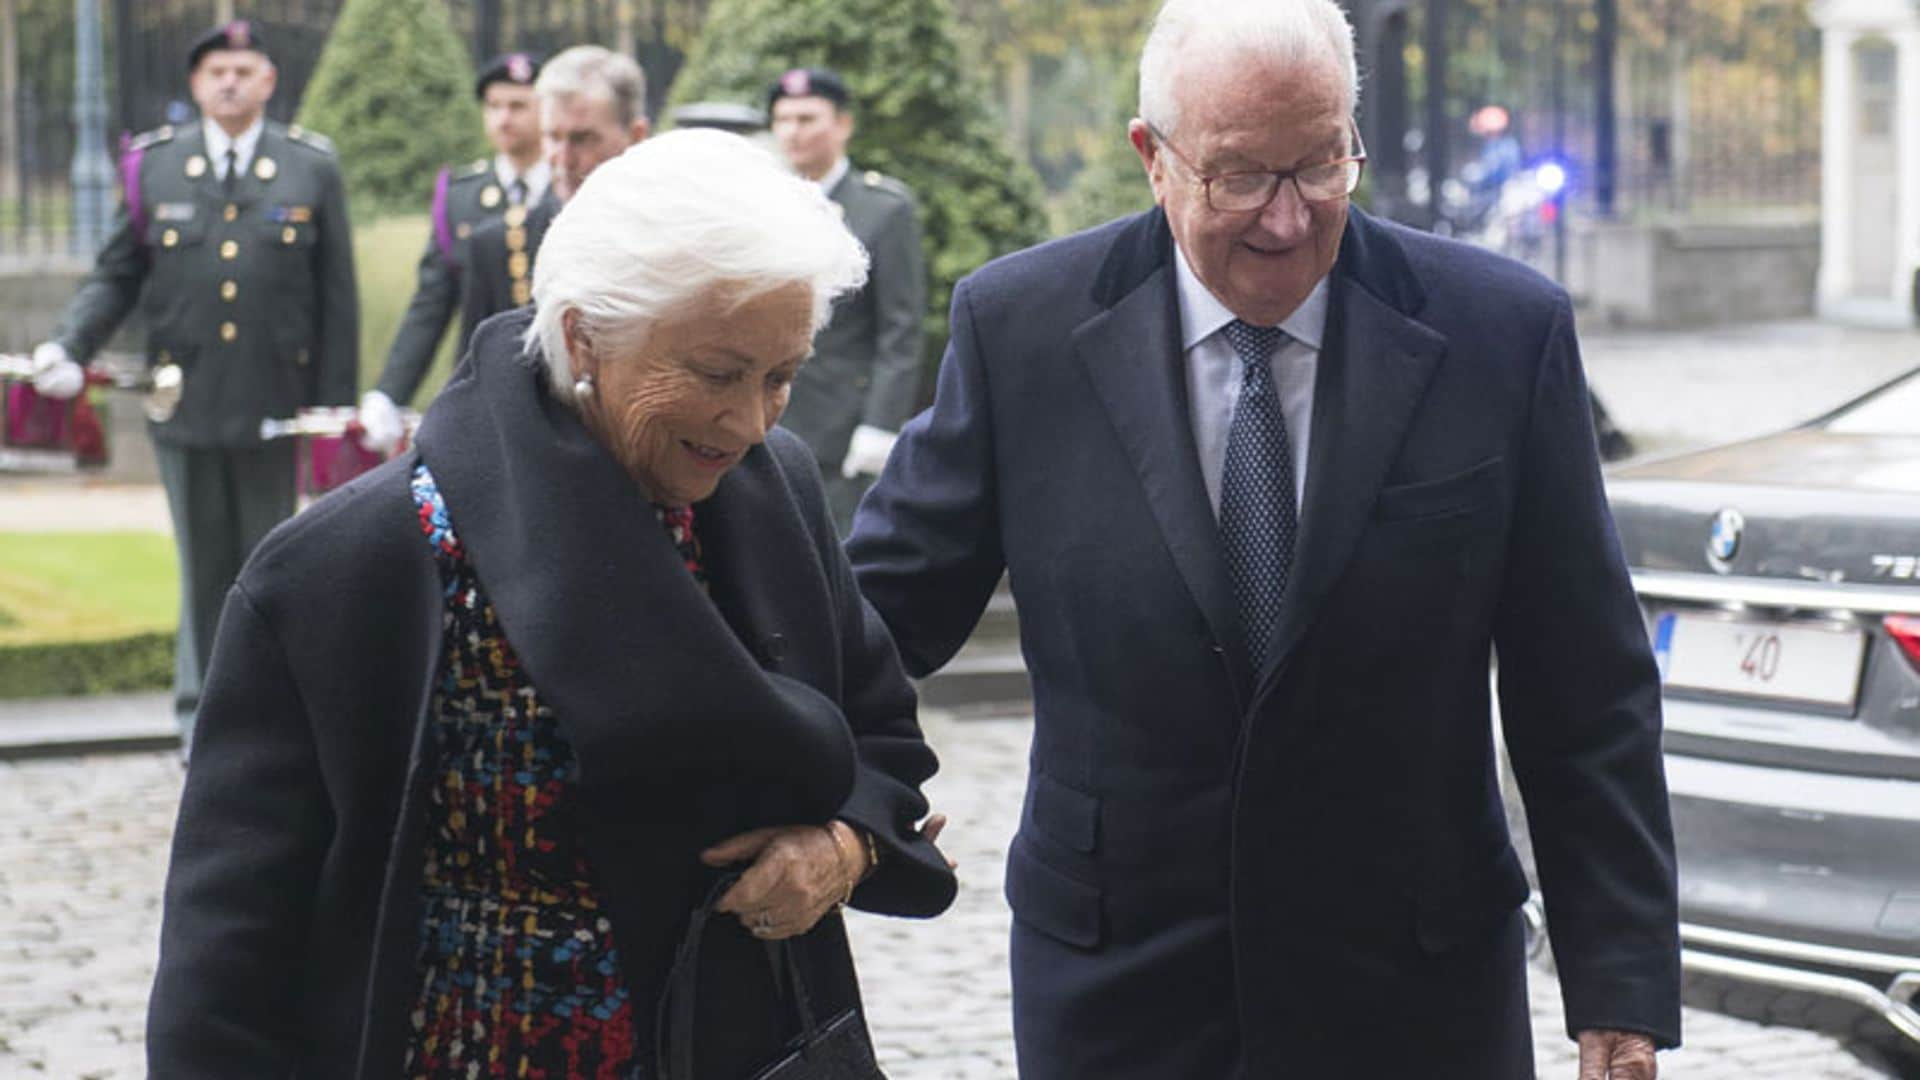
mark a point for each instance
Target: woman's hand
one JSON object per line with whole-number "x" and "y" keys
{"x": 799, "y": 873}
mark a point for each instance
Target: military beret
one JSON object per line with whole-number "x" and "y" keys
{"x": 238, "y": 34}
{"x": 808, "y": 82}
{"x": 518, "y": 68}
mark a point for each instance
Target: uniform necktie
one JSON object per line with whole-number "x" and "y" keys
{"x": 233, "y": 170}
{"x": 517, "y": 191}
{"x": 1258, "y": 517}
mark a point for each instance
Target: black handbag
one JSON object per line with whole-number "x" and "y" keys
{"x": 836, "y": 1048}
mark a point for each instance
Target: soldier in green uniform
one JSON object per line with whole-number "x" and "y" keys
{"x": 850, "y": 400}
{"x": 463, "y": 200}
{"x": 233, "y": 237}
{"x": 593, "y": 105}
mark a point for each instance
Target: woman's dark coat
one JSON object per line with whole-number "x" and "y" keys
{"x": 291, "y": 920}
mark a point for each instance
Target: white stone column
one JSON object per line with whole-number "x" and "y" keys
{"x": 1837, "y": 85}
{"x": 1907, "y": 130}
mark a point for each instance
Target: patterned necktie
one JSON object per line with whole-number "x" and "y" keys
{"x": 1258, "y": 518}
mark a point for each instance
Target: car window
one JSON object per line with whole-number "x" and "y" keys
{"x": 1893, "y": 411}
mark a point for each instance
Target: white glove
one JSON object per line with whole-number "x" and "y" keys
{"x": 55, "y": 375}
{"x": 868, "y": 451}
{"x": 381, "y": 420}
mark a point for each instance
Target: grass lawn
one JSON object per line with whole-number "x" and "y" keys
{"x": 386, "y": 256}
{"x": 86, "y": 613}
{"x": 86, "y": 586}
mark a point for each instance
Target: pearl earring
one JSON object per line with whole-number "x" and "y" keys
{"x": 583, "y": 389}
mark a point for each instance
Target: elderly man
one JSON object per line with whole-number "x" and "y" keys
{"x": 233, "y": 236}
{"x": 1273, "y": 480}
{"x": 593, "y": 105}
{"x": 463, "y": 200}
{"x": 864, "y": 379}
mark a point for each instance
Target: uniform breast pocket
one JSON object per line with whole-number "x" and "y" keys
{"x": 282, "y": 233}
{"x": 169, "y": 236}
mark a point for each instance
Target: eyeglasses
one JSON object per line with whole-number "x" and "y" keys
{"x": 1238, "y": 192}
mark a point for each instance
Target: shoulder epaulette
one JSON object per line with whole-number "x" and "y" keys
{"x": 880, "y": 181}
{"x": 312, "y": 139}
{"x": 480, "y": 167}
{"x": 155, "y": 137}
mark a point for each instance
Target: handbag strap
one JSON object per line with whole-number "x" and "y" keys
{"x": 674, "y": 1024}
{"x": 787, "y": 974}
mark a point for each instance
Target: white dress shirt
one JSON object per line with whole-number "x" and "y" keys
{"x": 537, "y": 176}
{"x": 1214, "y": 373}
{"x": 834, "y": 175}
{"x": 243, "y": 146}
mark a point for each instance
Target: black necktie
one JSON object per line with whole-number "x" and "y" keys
{"x": 233, "y": 170}
{"x": 1258, "y": 515}
{"x": 517, "y": 191}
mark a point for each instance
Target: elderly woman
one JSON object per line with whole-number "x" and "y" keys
{"x": 483, "y": 727}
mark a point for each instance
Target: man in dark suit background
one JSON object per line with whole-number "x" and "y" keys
{"x": 593, "y": 105}
{"x": 464, "y": 199}
{"x": 863, "y": 381}
{"x": 232, "y": 237}
{"x": 1272, "y": 481}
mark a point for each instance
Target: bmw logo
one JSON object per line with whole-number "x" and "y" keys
{"x": 1723, "y": 543}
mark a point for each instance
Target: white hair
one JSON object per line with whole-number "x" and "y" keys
{"x": 1293, "y": 33}
{"x": 675, "y": 220}
{"x": 596, "y": 72}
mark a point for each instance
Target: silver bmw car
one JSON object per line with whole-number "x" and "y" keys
{"x": 1780, "y": 579}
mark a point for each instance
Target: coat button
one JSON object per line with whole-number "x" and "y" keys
{"x": 231, "y": 213}
{"x": 301, "y": 358}
{"x": 170, "y": 238}
{"x": 287, "y": 235}
{"x": 230, "y": 250}
{"x": 229, "y": 290}
{"x": 228, "y": 331}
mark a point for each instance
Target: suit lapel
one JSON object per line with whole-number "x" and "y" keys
{"x": 206, "y": 186}
{"x": 1131, "y": 354}
{"x": 248, "y": 188}
{"x": 1374, "y": 368}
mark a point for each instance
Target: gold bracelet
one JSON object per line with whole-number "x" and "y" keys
{"x": 873, "y": 855}
{"x": 841, "y": 848}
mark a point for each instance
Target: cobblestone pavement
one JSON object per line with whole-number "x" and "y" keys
{"x": 83, "y": 848}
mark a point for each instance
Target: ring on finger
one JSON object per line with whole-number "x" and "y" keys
{"x": 763, "y": 923}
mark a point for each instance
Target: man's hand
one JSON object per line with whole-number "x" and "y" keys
{"x": 867, "y": 452}
{"x": 381, "y": 420}
{"x": 55, "y": 375}
{"x": 1616, "y": 1055}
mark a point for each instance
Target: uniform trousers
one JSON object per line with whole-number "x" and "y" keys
{"x": 224, "y": 500}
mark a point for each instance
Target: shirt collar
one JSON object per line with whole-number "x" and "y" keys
{"x": 218, "y": 142}
{"x": 1202, "y": 314}
{"x": 538, "y": 175}
{"x": 835, "y": 175}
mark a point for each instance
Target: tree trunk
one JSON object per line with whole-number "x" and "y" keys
{"x": 1020, "y": 103}
{"x": 9, "y": 97}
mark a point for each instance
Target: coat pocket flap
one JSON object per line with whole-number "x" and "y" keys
{"x": 1475, "y": 903}
{"x": 1050, "y": 901}
{"x": 1456, "y": 494}
{"x": 1066, "y": 815}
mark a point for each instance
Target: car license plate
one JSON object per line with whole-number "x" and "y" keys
{"x": 1759, "y": 659}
